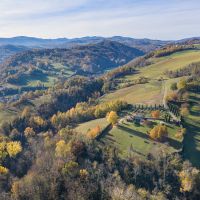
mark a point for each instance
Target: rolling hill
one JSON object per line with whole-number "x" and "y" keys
{"x": 11, "y": 46}
{"x": 9, "y": 50}
{"x": 142, "y": 44}
{"x": 44, "y": 64}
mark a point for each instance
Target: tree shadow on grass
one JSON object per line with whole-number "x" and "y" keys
{"x": 190, "y": 151}
{"x": 174, "y": 143}
{"x": 133, "y": 132}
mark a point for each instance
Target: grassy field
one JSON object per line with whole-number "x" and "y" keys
{"x": 192, "y": 138}
{"x": 47, "y": 82}
{"x": 149, "y": 93}
{"x": 128, "y": 135}
{"x": 154, "y": 91}
{"x": 172, "y": 62}
{"x": 85, "y": 127}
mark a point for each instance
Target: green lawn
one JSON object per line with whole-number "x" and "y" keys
{"x": 149, "y": 93}
{"x": 128, "y": 134}
{"x": 154, "y": 91}
{"x": 172, "y": 62}
{"x": 85, "y": 127}
{"x": 192, "y": 138}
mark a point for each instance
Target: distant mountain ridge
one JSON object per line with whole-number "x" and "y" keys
{"x": 65, "y": 42}
{"x": 24, "y": 42}
{"x": 145, "y": 45}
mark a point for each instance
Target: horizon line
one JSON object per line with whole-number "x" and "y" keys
{"x": 97, "y": 36}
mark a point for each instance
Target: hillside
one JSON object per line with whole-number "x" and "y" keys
{"x": 89, "y": 59}
{"x": 11, "y": 46}
{"x": 147, "y": 89}
{"x": 9, "y": 50}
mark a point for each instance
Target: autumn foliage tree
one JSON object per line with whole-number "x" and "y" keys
{"x": 3, "y": 170}
{"x": 13, "y": 148}
{"x": 159, "y": 132}
{"x": 112, "y": 117}
{"x": 155, "y": 114}
{"x": 93, "y": 133}
{"x": 188, "y": 177}
{"x": 26, "y": 112}
{"x": 62, "y": 149}
{"x": 29, "y": 132}
{"x": 172, "y": 96}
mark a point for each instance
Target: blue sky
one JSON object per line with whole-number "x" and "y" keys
{"x": 156, "y": 19}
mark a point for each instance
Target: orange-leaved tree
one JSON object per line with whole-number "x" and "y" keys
{"x": 155, "y": 114}
{"x": 93, "y": 133}
{"x": 159, "y": 132}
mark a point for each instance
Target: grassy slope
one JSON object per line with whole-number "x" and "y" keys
{"x": 152, "y": 92}
{"x": 149, "y": 93}
{"x": 84, "y": 127}
{"x": 127, "y": 134}
{"x": 192, "y": 138}
{"x": 172, "y": 62}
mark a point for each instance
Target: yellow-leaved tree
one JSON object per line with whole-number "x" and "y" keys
{"x": 62, "y": 148}
{"x": 159, "y": 132}
{"x": 112, "y": 117}
{"x": 13, "y": 148}
{"x": 84, "y": 173}
{"x": 39, "y": 121}
{"x": 3, "y": 170}
{"x": 184, "y": 111}
{"x": 188, "y": 179}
